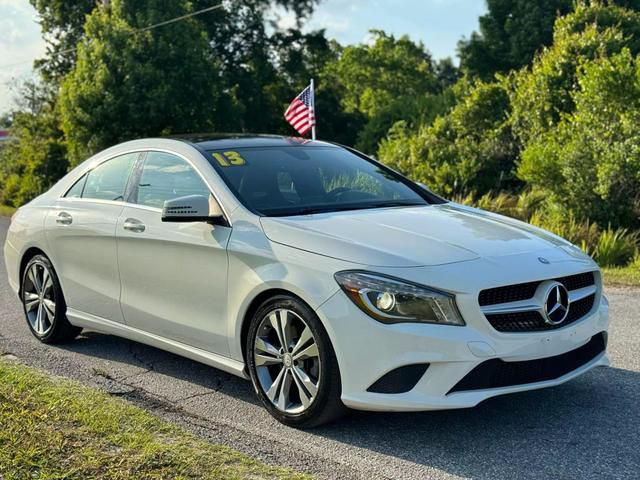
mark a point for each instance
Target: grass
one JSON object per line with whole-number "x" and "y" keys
{"x": 622, "y": 276}
{"x": 6, "y": 211}
{"x": 52, "y": 428}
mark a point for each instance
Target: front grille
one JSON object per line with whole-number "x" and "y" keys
{"x": 533, "y": 321}
{"x": 517, "y": 321}
{"x": 574, "y": 282}
{"x": 497, "y": 373}
{"x": 510, "y": 293}
{"x": 579, "y": 309}
{"x": 524, "y": 291}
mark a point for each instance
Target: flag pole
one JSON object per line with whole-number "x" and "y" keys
{"x": 313, "y": 104}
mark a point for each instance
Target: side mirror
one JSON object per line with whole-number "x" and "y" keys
{"x": 193, "y": 208}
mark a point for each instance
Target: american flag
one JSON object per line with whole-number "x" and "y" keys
{"x": 300, "y": 113}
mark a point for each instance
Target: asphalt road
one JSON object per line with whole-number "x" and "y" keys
{"x": 587, "y": 428}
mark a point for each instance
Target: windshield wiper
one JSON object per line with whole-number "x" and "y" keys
{"x": 399, "y": 203}
{"x": 343, "y": 208}
{"x": 312, "y": 210}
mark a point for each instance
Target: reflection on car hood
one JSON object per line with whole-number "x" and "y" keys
{"x": 414, "y": 236}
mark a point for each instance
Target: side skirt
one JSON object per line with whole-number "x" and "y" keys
{"x": 85, "y": 320}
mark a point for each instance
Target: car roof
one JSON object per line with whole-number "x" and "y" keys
{"x": 239, "y": 140}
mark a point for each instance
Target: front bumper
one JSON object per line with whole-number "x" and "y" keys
{"x": 367, "y": 350}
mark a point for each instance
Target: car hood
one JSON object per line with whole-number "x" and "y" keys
{"x": 415, "y": 236}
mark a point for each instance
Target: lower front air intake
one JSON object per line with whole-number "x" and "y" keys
{"x": 497, "y": 373}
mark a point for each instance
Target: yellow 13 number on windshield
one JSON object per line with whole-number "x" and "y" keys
{"x": 227, "y": 159}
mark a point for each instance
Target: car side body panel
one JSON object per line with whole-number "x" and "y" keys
{"x": 191, "y": 310}
{"x": 256, "y": 265}
{"x": 26, "y": 232}
{"x": 85, "y": 254}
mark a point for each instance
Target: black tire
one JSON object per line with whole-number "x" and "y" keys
{"x": 326, "y": 406}
{"x": 58, "y": 329}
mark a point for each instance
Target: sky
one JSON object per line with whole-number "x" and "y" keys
{"x": 439, "y": 24}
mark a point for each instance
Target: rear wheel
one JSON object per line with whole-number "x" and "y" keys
{"x": 292, "y": 364}
{"x": 43, "y": 302}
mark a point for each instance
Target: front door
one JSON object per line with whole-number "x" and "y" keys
{"x": 173, "y": 275}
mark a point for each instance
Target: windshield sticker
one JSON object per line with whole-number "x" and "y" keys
{"x": 229, "y": 159}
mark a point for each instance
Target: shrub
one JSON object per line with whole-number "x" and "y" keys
{"x": 542, "y": 95}
{"x": 36, "y": 159}
{"x": 585, "y": 234}
{"x": 611, "y": 247}
{"x": 616, "y": 248}
{"x": 522, "y": 206}
{"x": 590, "y": 162}
{"x": 576, "y": 113}
{"x": 469, "y": 149}
{"x": 529, "y": 202}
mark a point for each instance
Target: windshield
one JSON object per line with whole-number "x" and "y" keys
{"x": 298, "y": 180}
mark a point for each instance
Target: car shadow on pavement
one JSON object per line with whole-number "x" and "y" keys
{"x": 134, "y": 360}
{"x": 586, "y": 428}
{"x": 581, "y": 429}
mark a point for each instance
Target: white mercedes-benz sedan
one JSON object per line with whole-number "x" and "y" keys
{"x": 326, "y": 278}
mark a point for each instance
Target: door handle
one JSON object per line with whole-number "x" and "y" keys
{"x": 133, "y": 225}
{"x": 64, "y": 218}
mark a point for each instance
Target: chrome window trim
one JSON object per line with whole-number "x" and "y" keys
{"x": 144, "y": 207}
{"x": 108, "y": 202}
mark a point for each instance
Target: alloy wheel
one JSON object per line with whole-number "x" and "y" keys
{"x": 287, "y": 361}
{"x": 39, "y": 298}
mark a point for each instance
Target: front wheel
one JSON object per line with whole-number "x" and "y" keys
{"x": 292, "y": 364}
{"x": 43, "y": 302}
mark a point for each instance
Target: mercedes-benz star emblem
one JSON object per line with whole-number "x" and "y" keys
{"x": 556, "y": 305}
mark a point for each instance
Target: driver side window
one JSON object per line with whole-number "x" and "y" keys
{"x": 165, "y": 177}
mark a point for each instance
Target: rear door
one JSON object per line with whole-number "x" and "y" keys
{"x": 173, "y": 275}
{"x": 81, "y": 236}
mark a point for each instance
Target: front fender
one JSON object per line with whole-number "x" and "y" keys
{"x": 257, "y": 265}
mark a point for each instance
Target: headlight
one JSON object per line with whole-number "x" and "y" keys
{"x": 391, "y": 300}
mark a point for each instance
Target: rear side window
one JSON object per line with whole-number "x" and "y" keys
{"x": 76, "y": 190}
{"x": 165, "y": 177}
{"x": 108, "y": 181}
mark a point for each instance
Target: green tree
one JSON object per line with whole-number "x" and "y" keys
{"x": 589, "y": 161}
{"x": 238, "y": 38}
{"x": 5, "y": 120}
{"x": 129, "y": 83}
{"x": 37, "y": 159}
{"x": 293, "y": 59}
{"x": 470, "y": 149}
{"x": 62, "y": 25}
{"x": 247, "y": 49}
{"x": 446, "y": 73}
{"x": 384, "y": 81}
{"x": 299, "y": 57}
{"x": 543, "y": 94}
{"x": 222, "y": 70}
{"x": 511, "y": 33}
